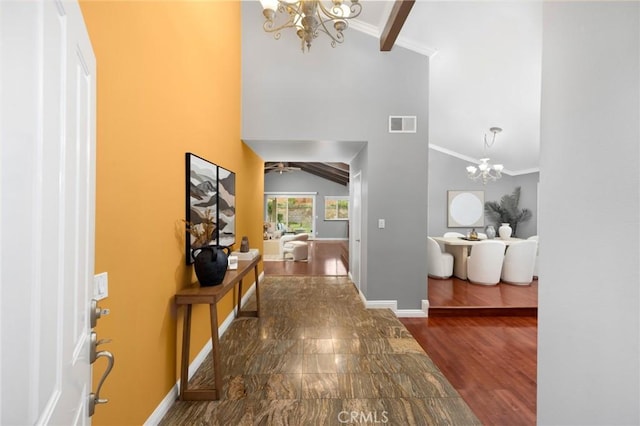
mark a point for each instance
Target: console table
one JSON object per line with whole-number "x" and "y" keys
{"x": 211, "y": 296}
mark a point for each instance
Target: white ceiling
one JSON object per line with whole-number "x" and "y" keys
{"x": 485, "y": 71}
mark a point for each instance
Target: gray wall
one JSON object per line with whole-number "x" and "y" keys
{"x": 347, "y": 94}
{"x": 448, "y": 173}
{"x": 300, "y": 181}
{"x": 589, "y": 293}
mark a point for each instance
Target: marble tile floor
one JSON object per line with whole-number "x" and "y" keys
{"x": 318, "y": 357}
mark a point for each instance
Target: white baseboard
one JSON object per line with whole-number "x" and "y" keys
{"x": 423, "y": 312}
{"x": 166, "y": 403}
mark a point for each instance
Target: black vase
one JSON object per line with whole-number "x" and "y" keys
{"x": 211, "y": 265}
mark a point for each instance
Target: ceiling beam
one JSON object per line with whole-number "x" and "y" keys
{"x": 397, "y": 17}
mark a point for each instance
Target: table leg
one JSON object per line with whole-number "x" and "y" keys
{"x": 186, "y": 394}
{"x": 186, "y": 340}
{"x": 239, "y": 298}
{"x": 250, "y": 314}
{"x": 215, "y": 351}
{"x": 255, "y": 271}
{"x": 460, "y": 254}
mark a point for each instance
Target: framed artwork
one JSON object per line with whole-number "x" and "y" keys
{"x": 465, "y": 209}
{"x": 202, "y": 203}
{"x": 226, "y": 207}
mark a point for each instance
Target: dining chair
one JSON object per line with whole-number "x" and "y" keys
{"x": 453, "y": 235}
{"x": 535, "y": 267}
{"x": 484, "y": 265}
{"x": 519, "y": 262}
{"x": 439, "y": 264}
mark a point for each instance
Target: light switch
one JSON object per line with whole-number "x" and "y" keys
{"x": 380, "y": 223}
{"x": 100, "y": 286}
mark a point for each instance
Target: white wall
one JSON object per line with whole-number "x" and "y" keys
{"x": 589, "y": 291}
{"x": 347, "y": 94}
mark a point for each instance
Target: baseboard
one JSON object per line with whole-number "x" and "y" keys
{"x": 166, "y": 403}
{"x": 423, "y": 312}
{"x": 330, "y": 239}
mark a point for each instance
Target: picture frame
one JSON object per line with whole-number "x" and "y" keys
{"x": 465, "y": 209}
{"x": 226, "y": 207}
{"x": 201, "y": 201}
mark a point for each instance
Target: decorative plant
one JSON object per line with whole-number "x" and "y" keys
{"x": 202, "y": 232}
{"x": 507, "y": 210}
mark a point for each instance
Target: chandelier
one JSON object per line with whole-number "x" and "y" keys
{"x": 310, "y": 18}
{"x": 486, "y": 171}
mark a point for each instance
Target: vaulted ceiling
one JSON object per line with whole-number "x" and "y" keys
{"x": 485, "y": 71}
{"x": 335, "y": 172}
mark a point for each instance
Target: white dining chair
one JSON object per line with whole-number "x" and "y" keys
{"x": 453, "y": 235}
{"x": 439, "y": 264}
{"x": 484, "y": 265}
{"x": 519, "y": 262}
{"x": 535, "y": 267}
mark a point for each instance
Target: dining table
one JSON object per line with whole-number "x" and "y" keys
{"x": 460, "y": 247}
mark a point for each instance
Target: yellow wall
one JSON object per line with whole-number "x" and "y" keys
{"x": 168, "y": 83}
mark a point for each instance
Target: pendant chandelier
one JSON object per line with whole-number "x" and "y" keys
{"x": 310, "y": 18}
{"x": 486, "y": 171}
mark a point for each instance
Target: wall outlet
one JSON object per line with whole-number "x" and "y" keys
{"x": 381, "y": 224}
{"x": 100, "y": 286}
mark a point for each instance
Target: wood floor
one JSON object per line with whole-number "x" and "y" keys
{"x": 324, "y": 260}
{"x": 483, "y": 339}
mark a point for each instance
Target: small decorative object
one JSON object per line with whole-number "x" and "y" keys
{"x": 473, "y": 235}
{"x": 504, "y": 231}
{"x": 491, "y": 232}
{"x": 233, "y": 262}
{"x": 211, "y": 264}
{"x": 244, "y": 245}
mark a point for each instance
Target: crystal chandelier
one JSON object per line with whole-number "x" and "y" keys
{"x": 486, "y": 171}
{"x": 309, "y": 18}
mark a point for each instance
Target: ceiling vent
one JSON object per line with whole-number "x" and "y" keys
{"x": 402, "y": 123}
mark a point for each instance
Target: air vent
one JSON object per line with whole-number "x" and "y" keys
{"x": 402, "y": 124}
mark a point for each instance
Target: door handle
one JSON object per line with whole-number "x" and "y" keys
{"x": 94, "y": 398}
{"x": 93, "y": 346}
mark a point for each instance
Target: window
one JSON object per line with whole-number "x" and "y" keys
{"x": 290, "y": 212}
{"x": 336, "y": 208}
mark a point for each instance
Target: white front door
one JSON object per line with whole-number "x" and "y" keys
{"x": 47, "y": 212}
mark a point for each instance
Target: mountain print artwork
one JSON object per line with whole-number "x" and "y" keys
{"x": 210, "y": 195}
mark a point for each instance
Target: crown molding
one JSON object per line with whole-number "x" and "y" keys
{"x": 476, "y": 161}
{"x": 374, "y": 31}
{"x": 365, "y": 28}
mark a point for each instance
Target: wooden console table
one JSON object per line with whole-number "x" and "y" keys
{"x": 211, "y": 296}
